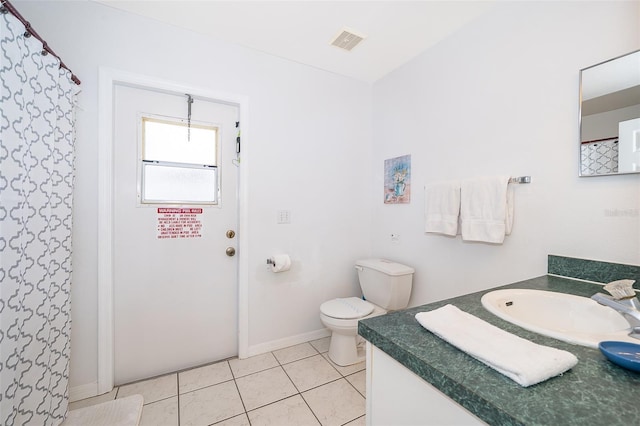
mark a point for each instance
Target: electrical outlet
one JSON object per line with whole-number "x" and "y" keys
{"x": 284, "y": 216}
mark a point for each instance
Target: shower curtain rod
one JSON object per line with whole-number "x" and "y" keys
{"x": 8, "y": 7}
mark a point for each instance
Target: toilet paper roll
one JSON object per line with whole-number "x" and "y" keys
{"x": 280, "y": 263}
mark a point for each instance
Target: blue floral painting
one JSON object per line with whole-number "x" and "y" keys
{"x": 397, "y": 180}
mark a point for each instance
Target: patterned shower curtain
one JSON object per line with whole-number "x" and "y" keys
{"x": 36, "y": 179}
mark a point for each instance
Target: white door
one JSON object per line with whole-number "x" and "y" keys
{"x": 175, "y": 285}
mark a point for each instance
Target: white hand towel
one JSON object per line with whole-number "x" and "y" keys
{"x": 486, "y": 209}
{"x": 508, "y": 221}
{"x": 521, "y": 360}
{"x": 442, "y": 207}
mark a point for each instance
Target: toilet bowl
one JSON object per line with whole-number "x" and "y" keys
{"x": 341, "y": 317}
{"x": 386, "y": 286}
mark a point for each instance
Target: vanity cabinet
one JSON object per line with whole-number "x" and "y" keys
{"x": 416, "y": 378}
{"x": 397, "y": 396}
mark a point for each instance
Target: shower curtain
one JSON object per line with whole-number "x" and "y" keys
{"x": 36, "y": 178}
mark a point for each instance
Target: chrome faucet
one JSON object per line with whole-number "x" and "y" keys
{"x": 623, "y": 299}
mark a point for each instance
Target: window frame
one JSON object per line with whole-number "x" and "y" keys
{"x": 141, "y": 201}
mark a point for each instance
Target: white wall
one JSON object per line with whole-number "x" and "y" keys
{"x": 310, "y": 149}
{"x": 501, "y": 97}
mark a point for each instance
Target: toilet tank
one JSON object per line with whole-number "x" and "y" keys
{"x": 385, "y": 283}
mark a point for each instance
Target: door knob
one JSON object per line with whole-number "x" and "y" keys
{"x": 231, "y": 233}
{"x": 230, "y": 251}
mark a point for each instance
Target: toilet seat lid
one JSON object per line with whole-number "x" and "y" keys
{"x": 346, "y": 308}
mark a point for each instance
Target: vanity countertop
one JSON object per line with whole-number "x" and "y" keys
{"x": 594, "y": 392}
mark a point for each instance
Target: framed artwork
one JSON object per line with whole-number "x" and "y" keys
{"x": 397, "y": 180}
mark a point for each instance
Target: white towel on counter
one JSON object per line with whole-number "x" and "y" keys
{"x": 442, "y": 207}
{"x": 521, "y": 360}
{"x": 486, "y": 209}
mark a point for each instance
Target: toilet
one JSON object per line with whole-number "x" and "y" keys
{"x": 386, "y": 286}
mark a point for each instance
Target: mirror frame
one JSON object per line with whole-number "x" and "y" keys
{"x": 580, "y": 100}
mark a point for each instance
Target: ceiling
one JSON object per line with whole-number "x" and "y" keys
{"x": 301, "y": 31}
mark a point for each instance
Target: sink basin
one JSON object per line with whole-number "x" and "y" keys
{"x": 573, "y": 319}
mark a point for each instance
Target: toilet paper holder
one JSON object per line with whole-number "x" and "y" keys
{"x": 279, "y": 263}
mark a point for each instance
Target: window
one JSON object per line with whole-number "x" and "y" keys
{"x": 179, "y": 163}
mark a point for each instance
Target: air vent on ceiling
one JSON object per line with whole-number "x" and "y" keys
{"x": 347, "y": 39}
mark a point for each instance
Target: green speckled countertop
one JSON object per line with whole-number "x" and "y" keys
{"x": 594, "y": 392}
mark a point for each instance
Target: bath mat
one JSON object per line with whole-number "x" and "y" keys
{"x": 119, "y": 412}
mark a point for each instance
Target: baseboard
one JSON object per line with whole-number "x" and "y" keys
{"x": 287, "y": 341}
{"x": 88, "y": 390}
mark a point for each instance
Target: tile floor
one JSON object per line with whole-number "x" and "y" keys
{"x": 298, "y": 385}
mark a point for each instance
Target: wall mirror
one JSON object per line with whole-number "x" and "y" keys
{"x": 610, "y": 117}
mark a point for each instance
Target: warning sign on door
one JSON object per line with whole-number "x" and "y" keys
{"x": 179, "y": 223}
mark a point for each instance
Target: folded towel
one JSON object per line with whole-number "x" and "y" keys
{"x": 521, "y": 360}
{"x": 442, "y": 207}
{"x": 486, "y": 209}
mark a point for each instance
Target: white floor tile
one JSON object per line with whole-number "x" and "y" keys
{"x": 210, "y": 405}
{"x": 292, "y": 411}
{"x": 244, "y": 367}
{"x": 268, "y": 386}
{"x": 294, "y": 353}
{"x": 321, "y": 345}
{"x": 160, "y": 413}
{"x": 265, "y": 387}
{"x": 311, "y": 372}
{"x": 240, "y": 420}
{"x": 359, "y": 381}
{"x": 152, "y": 390}
{"x": 201, "y": 377}
{"x": 335, "y": 403}
{"x": 360, "y": 421}
{"x": 93, "y": 400}
{"x": 347, "y": 370}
